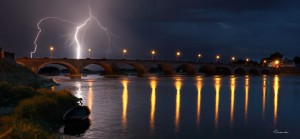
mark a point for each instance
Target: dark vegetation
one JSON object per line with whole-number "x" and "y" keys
{"x": 28, "y": 111}
{"x": 19, "y": 75}
{"x": 297, "y": 60}
{"x": 37, "y": 113}
{"x": 272, "y": 57}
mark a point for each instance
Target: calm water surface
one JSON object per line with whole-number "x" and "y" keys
{"x": 189, "y": 107}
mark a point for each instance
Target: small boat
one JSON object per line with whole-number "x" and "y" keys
{"x": 77, "y": 129}
{"x": 76, "y": 114}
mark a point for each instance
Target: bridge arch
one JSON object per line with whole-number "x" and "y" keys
{"x": 240, "y": 71}
{"x": 70, "y": 67}
{"x": 189, "y": 69}
{"x": 140, "y": 69}
{"x": 223, "y": 70}
{"x": 166, "y": 68}
{"x": 153, "y": 68}
{"x": 254, "y": 71}
{"x": 107, "y": 67}
{"x": 265, "y": 71}
{"x": 207, "y": 69}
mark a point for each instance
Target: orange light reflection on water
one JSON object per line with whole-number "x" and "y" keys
{"x": 232, "y": 88}
{"x": 246, "y": 97}
{"x": 199, "y": 87}
{"x": 125, "y": 103}
{"x": 90, "y": 95}
{"x": 178, "y": 84}
{"x": 264, "y": 95}
{"x": 217, "y": 83}
{"x": 153, "y": 84}
{"x": 53, "y": 87}
{"x": 276, "y": 91}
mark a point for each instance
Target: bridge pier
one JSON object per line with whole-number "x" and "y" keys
{"x": 140, "y": 75}
{"x": 76, "y": 73}
{"x": 75, "y": 76}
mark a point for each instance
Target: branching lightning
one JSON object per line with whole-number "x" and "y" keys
{"x": 76, "y": 33}
{"x": 78, "y": 28}
{"x": 84, "y": 32}
{"x": 40, "y": 30}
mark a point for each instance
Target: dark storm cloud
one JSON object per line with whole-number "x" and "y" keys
{"x": 244, "y": 28}
{"x": 166, "y": 10}
{"x": 251, "y": 28}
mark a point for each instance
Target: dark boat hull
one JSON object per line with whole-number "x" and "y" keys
{"x": 76, "y": 114}
{"x": 78, "y": 128}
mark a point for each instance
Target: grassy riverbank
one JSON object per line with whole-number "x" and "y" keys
{"x": 28, "y": 111}
{"x": 20, "y": 75}
{"x": 36, "y": 113}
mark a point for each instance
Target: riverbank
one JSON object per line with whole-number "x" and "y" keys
{"x": 289, "y": 71}
{"x": 20, "y": 75}
{"x": 27, "y": 109}
{"x": 32, "y": 113}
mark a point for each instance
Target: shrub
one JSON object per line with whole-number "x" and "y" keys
{"x": 63, "y": 97}
{"x": 26, "y": 130}
{"x": 46, "y": 107}
{"x": 38, "y": 116}
{"x": 11, "y": 95}
{"x": 38, "y": 108}
{"x": 29, "y": 130}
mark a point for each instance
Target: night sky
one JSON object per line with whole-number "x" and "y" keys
{"x": 242, "y": 28}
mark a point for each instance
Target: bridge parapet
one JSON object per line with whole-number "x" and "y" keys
{"x": 143, "y": 66}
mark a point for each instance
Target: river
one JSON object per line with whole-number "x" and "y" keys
{"x": 189, "y": 107}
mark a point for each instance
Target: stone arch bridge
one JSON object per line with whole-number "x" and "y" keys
{"x": 142, "y": 67}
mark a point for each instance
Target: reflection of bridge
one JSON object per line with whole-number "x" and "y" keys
{"x": 142, "y": 67}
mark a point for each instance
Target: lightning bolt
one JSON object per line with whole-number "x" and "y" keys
{"x": 84, "y": 32}
{"x": 77, "y": 31}
{"x": 89, "y": 19}
{"x": 76, "y": 36}
{"x": 40, "y": 31}
{"x": 108, "y": 34}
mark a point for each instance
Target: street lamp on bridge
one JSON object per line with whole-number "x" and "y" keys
{"x": 232, "y": 59}
{"x": 218, "y": 58}
{"x": 247, "y": 60}
{"x": 124, "y": 53}
{"x": 199, "y": 57}
{"x": 51, "y": 51}
{"x": 264, "y": 62}
{"x": 177, "y": 55}
{"x": 152, "y": 54}
{"x": 90, "y": 50}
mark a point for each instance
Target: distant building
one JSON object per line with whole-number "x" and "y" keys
{"x": 1, "y": 54}
{"x": 7, "y": 56}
